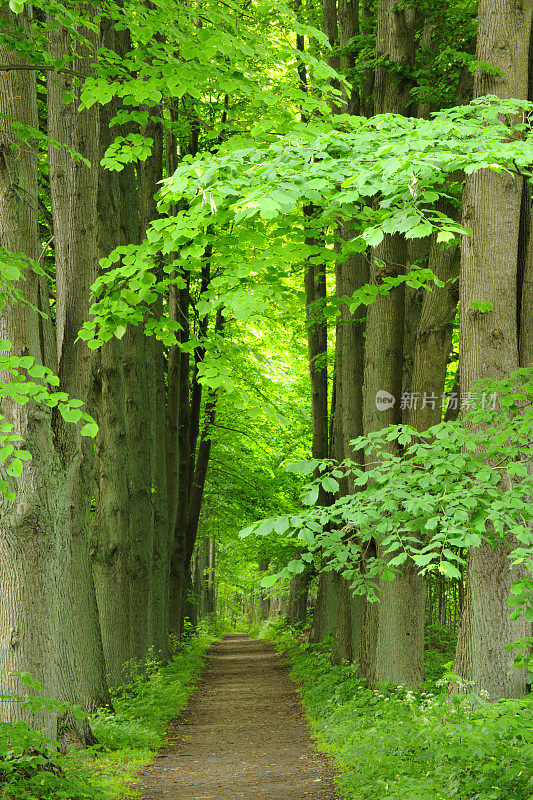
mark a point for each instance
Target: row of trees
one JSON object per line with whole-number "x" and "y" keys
{"x": 97, "y": 537}
{"x": 126, "y": 131}
{"x": 407, "y": 344}
{"x": 403, "y": 347}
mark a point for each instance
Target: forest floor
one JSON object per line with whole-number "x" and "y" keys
{"x": 243, "y": 736}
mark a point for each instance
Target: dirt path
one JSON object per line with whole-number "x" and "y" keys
{"x": 244, "y": 736}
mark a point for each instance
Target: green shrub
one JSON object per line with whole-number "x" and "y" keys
{"x": 402, "y": 745}
{"x": 32, "y": 768}
{"x": 152, "y": 697}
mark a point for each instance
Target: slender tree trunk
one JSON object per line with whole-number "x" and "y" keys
{"x": 110, "y": 525}
{"x": 264, "y": 598}
{"x": 489, "y": 342}
{"x": 402, "y": 600}
{"x": 178, "y": 573}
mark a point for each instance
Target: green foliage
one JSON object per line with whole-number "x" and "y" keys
{"x": 384, "y": 174}
{"x": 30, "y": 762}
{"x": 153, "y": 695}
{"x": 29, "y": 380}
{"x": 429, "y": 496}
{"x": 32, "y": 767}
{"x": 390, "y": 742}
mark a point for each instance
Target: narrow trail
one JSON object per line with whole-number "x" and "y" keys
{"x": 243, "y": 736}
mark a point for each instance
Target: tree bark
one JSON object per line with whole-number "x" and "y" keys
{"x": 110, "y": 526}
{"x": 73, "y": 193}
{"x": 489, "y": 342}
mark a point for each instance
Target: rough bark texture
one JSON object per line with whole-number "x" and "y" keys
{"x": 395, "y": 41}
{"x": 348, "y": 27}
{"x": 73, "y": 193}
{"x": 350, "y": 276}
{"x": 150, "y": 173}
{"x": 110, "y": 526}
{"x": 37, "y": 549}
{"x": 28, "y": 640}
{"x": 298, "y": 595}
{"x": 489, "y": 341}
{"x": 325, "y": 614}
{"x": 526, "y": 307}
{"x": 384, "y": 358}
{"x": 433, "y": 341}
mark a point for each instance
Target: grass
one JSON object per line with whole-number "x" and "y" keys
{"x": 128, "y": 739}
{"x": 401, "y": 745}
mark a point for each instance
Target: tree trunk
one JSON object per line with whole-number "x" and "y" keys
{"x": 489, "y": 342}
{"x": 110, "y": 526}
{"x": 73, "y": 193}
{"x": 299, "y": 591}
{"x": 264, "y": 597}
{"x": 28, "y": 638}
{"x": 150, "y": 173}
{"x": 36, "y": 540}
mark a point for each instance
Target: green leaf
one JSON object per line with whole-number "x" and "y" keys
{"x": 445, "y": 236}
{"x": 397, "y": 560}
{"x": 37, "y": 371}
{"x": 329, "y": 484}
{"x": 449, "y": 570}
{"x": 481, "y": 307}
{"x": 269, "y": 580}
{"x": 70, "y": 415}
{"x": 295, "y": 567}
{"x": 90, "y": 429}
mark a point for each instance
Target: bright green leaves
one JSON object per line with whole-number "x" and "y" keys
{"x": 31, "y": 382}
{"x": 17, "y": 6}
{"x": 480, "y": 306}
{"x": 439, "y": 493}
{"x": 127, "y": 150}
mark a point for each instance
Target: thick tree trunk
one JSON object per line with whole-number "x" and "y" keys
{"x": 141, "y": 532}
{"x": 28, "y": 639}
{"x": 395, "y": 39}
{"x": 326, "y": 609}
{"x": 299, "y": 592}
{"x": 433, "y": 341}
{"x": 350, "y": 276}
{"x": 36, "y": 538}
{"x": 73, "y": 192}
{"x": 384, "y": 361}
{"x": 489, "y": 342}
{"x": 150, "y": 173}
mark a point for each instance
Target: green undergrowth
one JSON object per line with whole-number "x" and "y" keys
{"x": 401, "y": 745}
{"x": 128, "y": 738}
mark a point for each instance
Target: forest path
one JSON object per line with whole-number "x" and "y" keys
{"x": 243, "y": 736}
